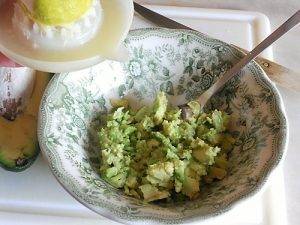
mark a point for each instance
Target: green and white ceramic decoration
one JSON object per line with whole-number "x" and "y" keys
{"x": 183, "y": 64}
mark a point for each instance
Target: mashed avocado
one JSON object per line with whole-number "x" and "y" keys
{"x": 154, "y": 154}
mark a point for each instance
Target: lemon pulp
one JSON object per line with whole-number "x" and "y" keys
{"x": 57, "y": 12}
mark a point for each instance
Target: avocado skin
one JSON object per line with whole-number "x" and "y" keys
{"x": 29, "y": 161}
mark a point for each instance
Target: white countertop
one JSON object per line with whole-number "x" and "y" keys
{"x": 287, "y": 53}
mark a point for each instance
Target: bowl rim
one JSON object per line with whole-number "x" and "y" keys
{"x": 267, "y": 171}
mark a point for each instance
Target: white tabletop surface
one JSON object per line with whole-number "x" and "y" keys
{"x": 287, "y": 53}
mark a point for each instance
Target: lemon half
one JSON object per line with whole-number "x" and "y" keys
{"x": 57, "y": 12}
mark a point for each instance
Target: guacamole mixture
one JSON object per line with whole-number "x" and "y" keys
{"x": 154, "y": 154}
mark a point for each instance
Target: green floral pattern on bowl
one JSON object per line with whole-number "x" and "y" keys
{"x": 183, "y": 64}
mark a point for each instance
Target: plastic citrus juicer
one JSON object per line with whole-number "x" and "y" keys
{"x": 61, "y": 36}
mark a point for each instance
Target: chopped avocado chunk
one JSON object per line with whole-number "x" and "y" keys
{"x": 116, "y": 103}
{"x": 195, "y": 107}
{"x": 205, "y": 153}
{"x": 161, "y": 174}
{"x": 160, "y": 108}
{"x": 153, "y": 153}
{"x": 219, "y": 120}
{"x": 151, "y": 193}
{"x": 191, "y": 187}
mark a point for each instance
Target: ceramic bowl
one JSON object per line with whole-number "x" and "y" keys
{"x": 183, "y": 64}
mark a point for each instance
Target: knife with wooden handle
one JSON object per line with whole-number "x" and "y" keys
{"x": 277, "y": 73}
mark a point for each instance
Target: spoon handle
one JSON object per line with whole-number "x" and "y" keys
{"x": 284, "y": 28}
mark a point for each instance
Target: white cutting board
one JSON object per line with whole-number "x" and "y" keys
{"x": 34, "y": 197}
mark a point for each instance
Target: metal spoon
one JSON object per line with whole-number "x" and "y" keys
{"x": 284, "y": 28}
